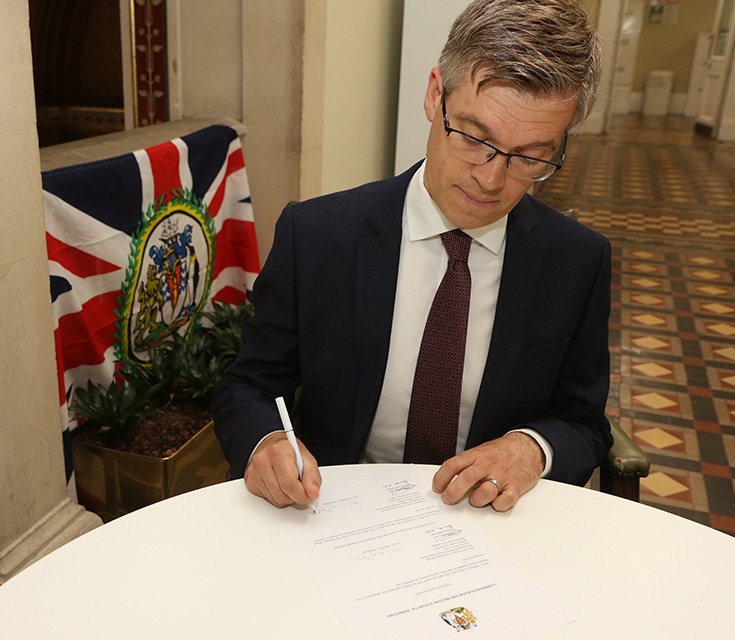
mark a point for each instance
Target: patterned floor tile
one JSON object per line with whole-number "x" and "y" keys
{"x": 646, "y": 283}
{"x": 643, "y": 318}
{"x": 663, "y": 371}
{"x": 725, "y": 411}
{"x": 708, "y": 275}
{"x": 638, "y": 342}
{"x": 710, "y": 290}
{"x": 730, "y": 450}
{"x": 648, "y": 300}
{"x": 645, "y": 268}
{"x": 724, "y": 353}
{"x": 672, "y": 324}
{"x": 723, "y": 523}
{"x": 640, "y": 400}
{"x": 661, "y": 439}
{"x": 668, "y": 486}
{"x": 664, "y": 485}
{"x": 717, "y": 328}
{"x": 713, "y": 308}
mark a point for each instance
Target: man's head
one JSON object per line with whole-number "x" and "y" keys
{"x": 514, "y": 74}
{"x": 540, "y": 47}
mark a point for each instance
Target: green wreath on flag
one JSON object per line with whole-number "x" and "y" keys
{"x": 168, "y": 276}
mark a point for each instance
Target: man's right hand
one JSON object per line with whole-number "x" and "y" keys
{"x": 272, "y": 473}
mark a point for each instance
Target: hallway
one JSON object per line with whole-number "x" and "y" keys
{"x": 665, "y": 198}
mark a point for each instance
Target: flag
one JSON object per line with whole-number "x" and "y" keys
{"x": 140, "y": 244}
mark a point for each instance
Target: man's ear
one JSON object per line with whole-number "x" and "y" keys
{"x": 433, "y": 97}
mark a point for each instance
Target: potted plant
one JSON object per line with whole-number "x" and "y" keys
{"x": 148, "y": 435}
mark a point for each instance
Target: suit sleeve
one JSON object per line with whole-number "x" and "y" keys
{"x": 575, "y": 424}
{"x": 268, "y": 366}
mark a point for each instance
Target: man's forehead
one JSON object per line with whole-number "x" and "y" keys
{"x": 482, "y": 77}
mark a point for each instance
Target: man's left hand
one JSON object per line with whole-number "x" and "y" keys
{"x": 514, "y": 461}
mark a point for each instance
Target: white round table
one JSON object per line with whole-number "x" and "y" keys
{"x": 211, "y": 564}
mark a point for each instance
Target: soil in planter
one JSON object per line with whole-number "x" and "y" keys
{"x": 159, "y": 436}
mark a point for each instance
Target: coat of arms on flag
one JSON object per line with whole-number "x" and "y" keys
{"x": 167, "y": 281}
{"x": 139, "y": 245}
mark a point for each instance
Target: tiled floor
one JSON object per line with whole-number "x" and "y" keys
{"x": 666, "y": 199}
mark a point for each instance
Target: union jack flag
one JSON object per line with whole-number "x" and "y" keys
{"x": 98, "y": 217}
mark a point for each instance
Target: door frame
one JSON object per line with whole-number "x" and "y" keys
{"x": 720, "y": 82}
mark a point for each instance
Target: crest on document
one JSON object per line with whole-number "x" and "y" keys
{"x": 459, "y": 618}
{"x": 168, "y": 275}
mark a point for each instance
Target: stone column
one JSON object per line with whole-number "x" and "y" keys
{"x": 35, "y": 514}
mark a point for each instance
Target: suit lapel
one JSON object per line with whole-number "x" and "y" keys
{"x": 376, "y": 277}
{"x": 523, "y": 259}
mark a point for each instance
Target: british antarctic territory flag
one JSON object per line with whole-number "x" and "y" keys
{"x": 139, "y": 244}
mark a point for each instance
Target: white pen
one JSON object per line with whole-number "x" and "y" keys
{"x": 291, "y": 437}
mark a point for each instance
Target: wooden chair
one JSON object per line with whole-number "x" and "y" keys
{"x": 624, "y": 466}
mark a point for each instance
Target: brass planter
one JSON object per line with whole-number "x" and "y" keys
{"x": 112, "y": 483}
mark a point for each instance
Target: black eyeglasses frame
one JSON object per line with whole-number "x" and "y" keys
{"x": 495, "y": 151}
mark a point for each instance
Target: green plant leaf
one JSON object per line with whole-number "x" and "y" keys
{"x": 115, "y": 409}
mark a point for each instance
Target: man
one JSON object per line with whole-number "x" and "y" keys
{"x": 343, "y": 299}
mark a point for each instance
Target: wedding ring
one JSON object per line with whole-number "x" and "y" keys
{"x": 496, "y": 483}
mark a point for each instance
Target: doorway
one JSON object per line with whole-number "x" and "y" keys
{"x": 77, "y": 69}
{"x": 656, "y": 41}
{"x": 715, "y": 119}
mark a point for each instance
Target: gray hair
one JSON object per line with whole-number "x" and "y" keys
{"x": 542, "y": 47}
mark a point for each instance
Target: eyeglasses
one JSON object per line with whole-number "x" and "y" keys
{"x": 475, "y": 151}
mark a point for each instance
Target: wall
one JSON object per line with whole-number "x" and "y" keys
{"x": 424, "y": 32}
{"x": 726, "y": 131}
{"x": 205, "y": 58}
{"x": 27, "y": 380}
{"x": 272, "y": 53}
{"x": 672, "y": 46}
{"x": 592, "y": 7}
{"x": 363, "y": 43}
{"x": 317, "y": 94}
{"x": 33, "y": 505}
{"x": 605, "y": 16}
{"x": 242, "y": 59}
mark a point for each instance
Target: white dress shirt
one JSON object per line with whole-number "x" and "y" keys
{"x": 423, "y": 261}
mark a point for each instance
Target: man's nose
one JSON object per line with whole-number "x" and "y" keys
{"x": 491, "y": 175}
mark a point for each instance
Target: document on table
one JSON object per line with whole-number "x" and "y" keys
{"x": 395, "y": 562}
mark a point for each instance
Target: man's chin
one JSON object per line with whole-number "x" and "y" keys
{"x": 477, "y": 214}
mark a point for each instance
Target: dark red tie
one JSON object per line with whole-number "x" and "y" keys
{"x": 433, "y": 415}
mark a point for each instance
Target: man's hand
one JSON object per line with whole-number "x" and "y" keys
{"x": 272, "y": 473}
{"x": 515, "y": 461}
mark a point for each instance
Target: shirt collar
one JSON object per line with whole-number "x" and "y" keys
{"x": 425, "y": 219}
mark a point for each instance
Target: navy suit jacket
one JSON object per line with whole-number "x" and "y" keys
{"x": 323, "y": 312}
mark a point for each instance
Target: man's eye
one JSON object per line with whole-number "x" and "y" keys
{"x": 527, "y": 162}
{"x": 471, "y": 142}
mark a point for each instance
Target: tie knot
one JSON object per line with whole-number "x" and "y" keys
{"x": 457, "y": 243}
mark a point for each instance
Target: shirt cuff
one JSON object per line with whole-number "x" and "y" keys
{"x": 545, "y": 447}
{"x": 263, "y": 439}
